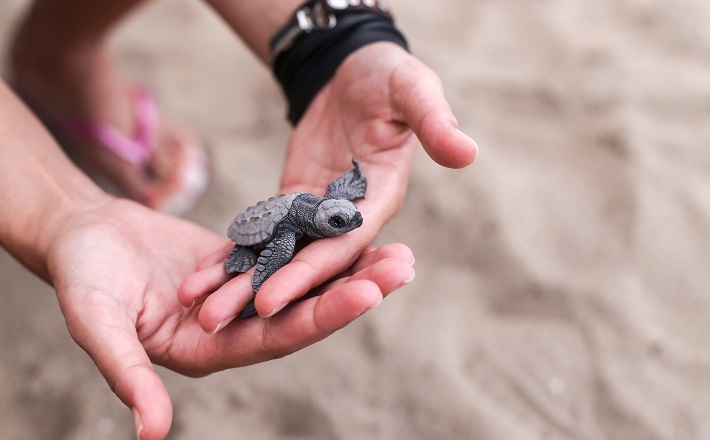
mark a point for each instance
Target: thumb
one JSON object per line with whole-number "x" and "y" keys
{"x": 105, "y": 331}
{"x": 418, "y": 97}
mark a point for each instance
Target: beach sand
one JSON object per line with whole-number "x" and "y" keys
{"x": 563, "y": 280}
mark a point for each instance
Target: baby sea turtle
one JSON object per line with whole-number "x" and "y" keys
{"x": 271, "y": 227}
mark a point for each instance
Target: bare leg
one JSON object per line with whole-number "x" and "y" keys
{"x": 61, "y": 65}
{"x": 60, "y": 55}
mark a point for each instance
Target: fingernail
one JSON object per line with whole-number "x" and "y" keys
{"x": 137, "y": 422}
{"x": 276, "y": 310}
{"x": 465, "y": 136}
{"x": 223, "y": 324}
{"x": 379, "y": 301}
{"x": 370, "y": 307}
{"x": 197, "y": 300}
{"x": 410, "y": 279}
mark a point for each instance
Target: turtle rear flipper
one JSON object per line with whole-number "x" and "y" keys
{"x": 240, "y": 260}
{"x": 248, "y": 311}
{"x": 349, "y": 186}
{"x": 275, "y": 256}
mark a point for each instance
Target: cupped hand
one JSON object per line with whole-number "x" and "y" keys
{"x": 116, "y": 270}
{"x": 380, "y": 105}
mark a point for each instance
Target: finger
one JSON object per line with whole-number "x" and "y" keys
{"x": 225, "y": 304}
{"x": 389, "y": 274}
{"x": 108, "y": 335}
{"x": 418, "y": 97}
{"x": 297, "y": 327}
{"x": 312, "y": 266}
{"x": 195, "y": 287}
{"x": 298, "y": 280}
{"x": 372, "y": 255}
{"x": 370, "y": 266}
{"x": 335, "y": 309}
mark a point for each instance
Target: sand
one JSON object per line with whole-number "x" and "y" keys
{"x": 562, "y": 286}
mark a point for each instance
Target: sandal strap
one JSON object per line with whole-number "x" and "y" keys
{"x": 136, "y": 150}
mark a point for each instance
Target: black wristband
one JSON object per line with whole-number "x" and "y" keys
{"x": 312, "y": 58}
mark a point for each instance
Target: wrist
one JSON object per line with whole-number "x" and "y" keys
{"x": 40, "y": 214}
{"x": 308, "y": 50}
{"x": 255, "y": 22}
{"x": 31, "y": 238}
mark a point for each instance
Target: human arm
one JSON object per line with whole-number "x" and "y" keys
{"x": 41, "y": 189}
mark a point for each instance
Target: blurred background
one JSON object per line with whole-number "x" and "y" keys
{"x": 566, "y": 297}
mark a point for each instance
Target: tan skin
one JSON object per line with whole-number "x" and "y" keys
{"x": 169, "y": 294}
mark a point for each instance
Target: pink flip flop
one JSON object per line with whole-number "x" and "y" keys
{"x": 137, "y": 150}
{"x": 193, "y": 178}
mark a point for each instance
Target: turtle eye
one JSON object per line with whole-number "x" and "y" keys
{"x": 337, "y": 222}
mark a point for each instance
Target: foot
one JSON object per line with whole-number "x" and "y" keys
{"x": 80, "y": 82}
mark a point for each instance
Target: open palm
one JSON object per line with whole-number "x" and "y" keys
{"x": 117, "y": 271}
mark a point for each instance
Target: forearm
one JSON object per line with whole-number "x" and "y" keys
{"x": 256, "y": 22}
{"x": 40, "y": 187}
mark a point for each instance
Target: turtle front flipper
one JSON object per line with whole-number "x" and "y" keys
{"x": 275, "y": 256}
{"x": 240, "y": 260}
{"x": 349, "y": 186}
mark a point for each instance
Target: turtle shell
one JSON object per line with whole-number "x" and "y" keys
{"x": 258, "y": 223}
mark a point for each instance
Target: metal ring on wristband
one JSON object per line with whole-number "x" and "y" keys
{"x": 320, "y": 15}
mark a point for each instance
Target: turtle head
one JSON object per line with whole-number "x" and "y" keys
{"x": 336, "y": 216}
